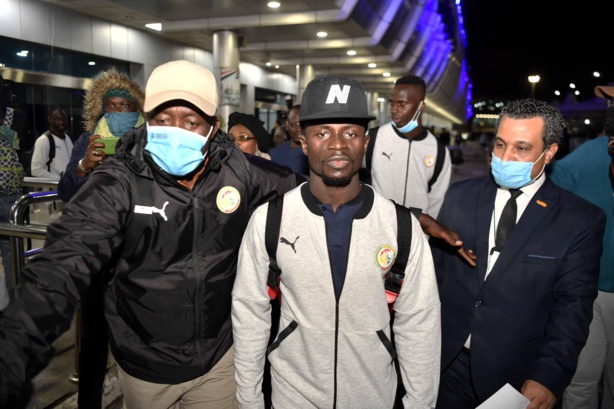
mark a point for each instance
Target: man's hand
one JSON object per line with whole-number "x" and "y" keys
{"x": 434, "y": 229}
{"x": 538, "y": 394}
{"x": 92, "y": 155}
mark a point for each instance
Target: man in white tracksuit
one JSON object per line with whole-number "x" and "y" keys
{"x": 404, "y": 153}
{"x": 338, "y": 239}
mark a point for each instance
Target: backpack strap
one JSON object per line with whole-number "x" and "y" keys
{"x": 51, "y": 150}
{"x": 441, "y": 156}
{"x": 396, "y": 274}
{"x": 271, "y": 238}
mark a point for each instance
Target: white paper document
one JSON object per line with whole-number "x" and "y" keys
{"x": 506, "y": 398}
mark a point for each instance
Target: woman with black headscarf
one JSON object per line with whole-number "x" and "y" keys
{"x": 249, "y": 133}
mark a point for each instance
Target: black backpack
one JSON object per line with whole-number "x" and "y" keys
{"x": 394, "y": 278}
{"x": 365, "y": 174}
{"x": 28, "y": 168}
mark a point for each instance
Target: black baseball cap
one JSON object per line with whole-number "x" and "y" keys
{"x": 334, "y": 97}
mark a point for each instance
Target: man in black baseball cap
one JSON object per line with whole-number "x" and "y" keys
{"x": 329, "y": 101}
{"x": 338, "y": 99}
{"x": 335, "y": 98}
{"x": 338, "y": 241}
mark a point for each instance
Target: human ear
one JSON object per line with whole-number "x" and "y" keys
{"x": 550, "y": 152}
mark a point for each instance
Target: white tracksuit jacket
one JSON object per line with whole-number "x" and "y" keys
{"x": 401, "y": 170}
{"x": 336, "y": 353}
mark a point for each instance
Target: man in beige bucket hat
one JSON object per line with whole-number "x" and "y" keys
{"x": 166, "y": 213}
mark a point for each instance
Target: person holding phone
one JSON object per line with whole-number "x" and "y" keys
{"x": 112, "y": 105}
{"x": 108, "y": 145}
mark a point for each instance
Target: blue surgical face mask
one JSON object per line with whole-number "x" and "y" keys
{"x": 513, "y": 174}
{"x": 120, "y": 122}
{"x": 177, "y": 151}
{"x": 411, "y": 125}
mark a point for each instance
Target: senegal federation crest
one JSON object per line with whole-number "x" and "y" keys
{"x": 228, "y": 199}
{"x": 384, "y": 256}
{"x": 429, "y": 161}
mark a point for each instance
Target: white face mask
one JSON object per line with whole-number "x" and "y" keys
{"x": 413, "y": 124}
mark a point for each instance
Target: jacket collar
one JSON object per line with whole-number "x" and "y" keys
{"x": 366, "y": 196}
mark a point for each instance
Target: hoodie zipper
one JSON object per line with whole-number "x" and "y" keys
{"x": 335, "y": 383}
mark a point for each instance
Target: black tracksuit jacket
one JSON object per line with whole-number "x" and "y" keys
{"x": 168, "y": 277}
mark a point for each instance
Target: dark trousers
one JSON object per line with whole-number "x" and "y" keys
{"x": 456, "y": 389}
{"x": 455, "y": 386}
{"x": 94, "y": 348}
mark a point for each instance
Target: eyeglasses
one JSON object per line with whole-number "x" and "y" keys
{"x": 243, "y": 138}
{"x": 293, "y": 124}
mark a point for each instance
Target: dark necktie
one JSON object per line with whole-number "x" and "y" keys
{"x": 507, "y": 222}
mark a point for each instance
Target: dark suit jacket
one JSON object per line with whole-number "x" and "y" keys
{"x": 530, "y": 318}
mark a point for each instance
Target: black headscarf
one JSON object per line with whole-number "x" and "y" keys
{"x": 255, "y": 126}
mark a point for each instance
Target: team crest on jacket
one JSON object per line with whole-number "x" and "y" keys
{"x": 429, "y": 161}
{"x": 384, "y": 256}
{"x": 228, "y": 199}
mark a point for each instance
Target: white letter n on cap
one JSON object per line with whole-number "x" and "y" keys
{"x": 335, "y": 92}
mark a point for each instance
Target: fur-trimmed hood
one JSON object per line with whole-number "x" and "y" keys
{"x": 103, "y": 82}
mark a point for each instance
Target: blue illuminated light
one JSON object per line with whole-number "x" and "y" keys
{"x": 461, "y": 26}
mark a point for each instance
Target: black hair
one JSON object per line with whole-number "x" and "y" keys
{"x": 52, "y": 109}
{"x": 414, "y": 81}
{"x": 411, "y": 80}
{"x": 527, "y": 108}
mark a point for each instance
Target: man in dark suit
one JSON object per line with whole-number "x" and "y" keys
{"x": 522, "y": 315}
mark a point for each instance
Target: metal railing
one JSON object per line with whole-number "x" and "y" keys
{"x": 17, "y": 230}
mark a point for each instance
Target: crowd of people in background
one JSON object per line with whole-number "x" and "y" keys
{"x": 396, "y": 287}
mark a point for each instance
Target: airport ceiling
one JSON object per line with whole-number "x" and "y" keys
{"x": 285, "y": 36}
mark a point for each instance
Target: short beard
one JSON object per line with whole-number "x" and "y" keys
{"x": 336, "y": 182}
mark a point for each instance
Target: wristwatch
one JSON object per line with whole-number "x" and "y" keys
{"x": 81, "y": 168}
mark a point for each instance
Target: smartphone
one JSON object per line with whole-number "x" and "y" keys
{"x": 109, "y": 145}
